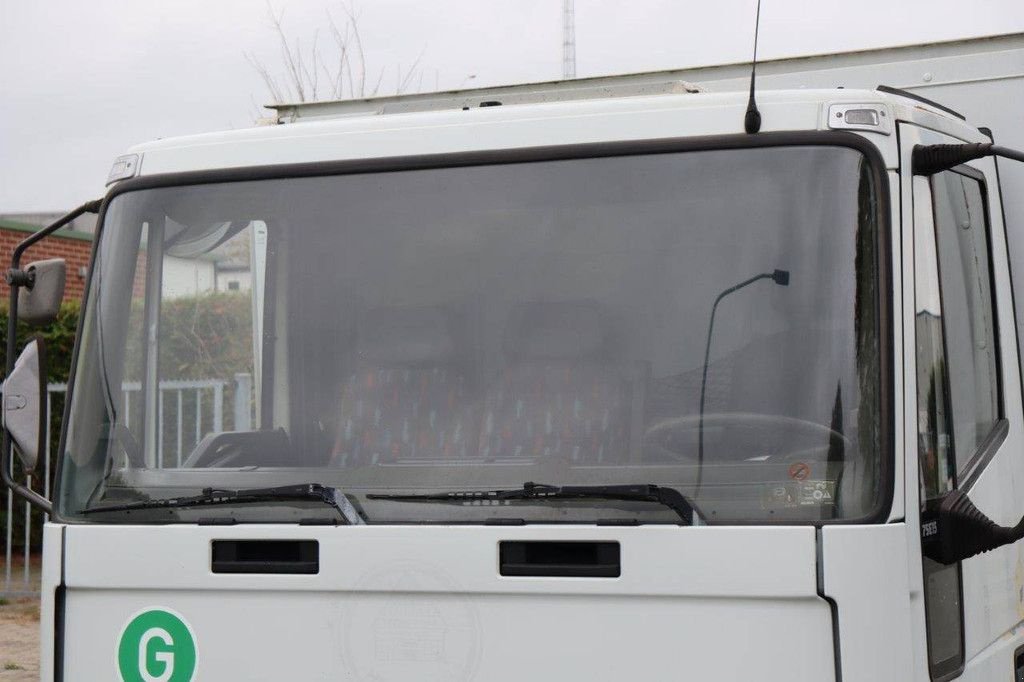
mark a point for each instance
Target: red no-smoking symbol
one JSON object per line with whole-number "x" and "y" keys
{"x": 799, "y": 471}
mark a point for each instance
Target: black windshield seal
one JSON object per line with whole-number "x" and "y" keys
{"x": 883, "y": 269}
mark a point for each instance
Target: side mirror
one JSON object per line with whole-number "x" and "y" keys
{"x": 39, "y": 299}
{"x": 24, "y": 406}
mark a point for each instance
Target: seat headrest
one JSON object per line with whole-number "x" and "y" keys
{"x": 405, "y": 336}
{"x": 563, "y": 330}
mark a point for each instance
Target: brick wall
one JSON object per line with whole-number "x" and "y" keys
{"x": 75, "y": 253}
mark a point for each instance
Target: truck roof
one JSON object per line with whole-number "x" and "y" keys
{"x": 681, "y": 103}
{"x": 493, "y": 127}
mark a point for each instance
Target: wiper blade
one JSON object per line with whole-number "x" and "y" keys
{"x": 314, "y": 492}
{"x": 647, "y": 492}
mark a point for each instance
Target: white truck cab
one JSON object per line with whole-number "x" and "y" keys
{"x": 591, "y": 387}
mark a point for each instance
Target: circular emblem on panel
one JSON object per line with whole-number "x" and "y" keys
{"x": 411, "y": 622}
{"x": 156, "y": 645}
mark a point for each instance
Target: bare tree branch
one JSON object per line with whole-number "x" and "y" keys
{"x": 310, "y": 74}
{"x": 376, "y": 86}
{"x": 268, "y": 80}
{"x": 342, "y": 43}
{"x": 294, "y": 74}
{"x": 412, "y": 70}
{"x": 339, "y": 72}
{"x": 353, "y": 21}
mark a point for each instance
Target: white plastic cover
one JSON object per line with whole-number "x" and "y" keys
{"x": 22, "y": 403}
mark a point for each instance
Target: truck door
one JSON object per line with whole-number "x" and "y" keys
{"x": 968, "y": 415}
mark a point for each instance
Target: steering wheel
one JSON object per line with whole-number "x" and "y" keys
{"x": 241, "y": 448}
{"x": 759, "y": 437}
{"x": 214, "y": 451}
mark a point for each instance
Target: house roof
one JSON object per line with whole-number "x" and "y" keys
{"x": 17, "y": 226}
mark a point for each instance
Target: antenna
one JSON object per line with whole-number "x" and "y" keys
{"x": 752, "y": 119}
{"x": 569, "y": 39}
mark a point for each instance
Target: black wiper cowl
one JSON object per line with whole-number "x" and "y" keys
{"x": 314, "y": 492}
{"x": 645, "y": 492}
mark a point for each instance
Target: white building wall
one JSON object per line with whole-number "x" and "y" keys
{"x": 187, "y": 277}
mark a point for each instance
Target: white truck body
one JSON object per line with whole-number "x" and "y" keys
{"x": 402, "y": 601}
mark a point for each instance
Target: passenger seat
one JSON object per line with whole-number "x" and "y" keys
{"x": 405, "y": 401}
{"x": 563, "y": 394}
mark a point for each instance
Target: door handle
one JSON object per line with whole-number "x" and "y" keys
{"x": 266, "y": 556}
{"x": 560, "y": 559}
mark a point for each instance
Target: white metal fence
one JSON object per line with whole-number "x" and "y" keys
{"x": 186, "y": 411}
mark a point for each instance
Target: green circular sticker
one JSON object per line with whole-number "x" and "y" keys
{"x": 156, "y": 645}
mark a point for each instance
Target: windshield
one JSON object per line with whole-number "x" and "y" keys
{"x": 705, "y": 321}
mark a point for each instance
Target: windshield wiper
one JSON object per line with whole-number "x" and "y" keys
{"x": 314, "y": 492}
{"x": 667, "y": 497}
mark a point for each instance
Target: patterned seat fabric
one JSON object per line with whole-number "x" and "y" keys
{"x": 407, "y": 398}
{"x": 561, "y": 396}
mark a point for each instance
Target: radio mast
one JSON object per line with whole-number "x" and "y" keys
{"x": 568, "y": 39}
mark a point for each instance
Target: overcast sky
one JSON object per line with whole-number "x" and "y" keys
{"x": 82, "y": 81}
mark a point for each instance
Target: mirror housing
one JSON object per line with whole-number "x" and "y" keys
{"x": 24, "y": 404}
{"x": 953, "y": 529}
{"x": 41, "y": 290}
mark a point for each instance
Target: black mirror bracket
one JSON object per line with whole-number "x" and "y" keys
{"x": 929, "y": 159}
{"x": 20, "y": 278}
{"x": 19, "y": 489}
{"x": 953, "y": 529}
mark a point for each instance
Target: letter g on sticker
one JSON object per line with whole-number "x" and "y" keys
{"x": 164, "y": 657}
{"x": 156, "y": 645}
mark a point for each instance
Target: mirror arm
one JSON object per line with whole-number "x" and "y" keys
{"x": 954, "y": 530}
{"x": 23, "y": 491}
{"x": 17, "y": 278}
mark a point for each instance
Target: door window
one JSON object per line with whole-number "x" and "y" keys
{"x": 957, "y": 378}
{"x": 966, "y": 282}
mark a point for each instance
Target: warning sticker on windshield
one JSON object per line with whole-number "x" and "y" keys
{"x": 817, "y": 493}
{"x": 799, "y": 494}
{"x": 799, "y": 471}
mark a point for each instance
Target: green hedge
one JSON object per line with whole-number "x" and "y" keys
{"x": 59, "y": 339}
{"x": 204, "y": 336}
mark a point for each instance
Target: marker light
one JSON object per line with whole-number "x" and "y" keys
{"x": 861, "y": 117}
{"x": 869, "y": 117}
{"x": 124, "y": 167}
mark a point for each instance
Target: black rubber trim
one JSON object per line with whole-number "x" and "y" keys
{"x": 918, "y": 98}
{"x": 55, "y": 490}
{"x": 59, "y": 608}
{"x": 496, "y": 157}
{"x": 837, "y": 655}
{"x": 59, "y": 605}
{"x": 1009, "y": 265}
{"x": 833, "y": 138}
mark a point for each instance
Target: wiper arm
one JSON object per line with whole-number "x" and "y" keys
{"x": 314, "y": 492}
{"x": 667, "y": 497}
